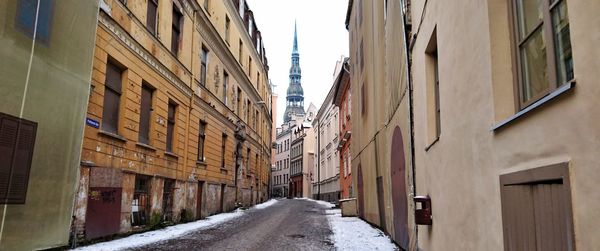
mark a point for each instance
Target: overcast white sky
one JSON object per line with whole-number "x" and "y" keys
{"x": 322, "y": 40}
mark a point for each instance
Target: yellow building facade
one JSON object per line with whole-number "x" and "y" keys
{"x": 179, "y": 119}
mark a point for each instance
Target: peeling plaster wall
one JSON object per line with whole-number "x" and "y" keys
{"x": 126, "y": 199}
{"x": 81, "y": 198}
{"x": 156, "y": 194}
{"x": 179, "y": 199}
{"x": 212, "y": 194}
{"x": 229, "y": 199}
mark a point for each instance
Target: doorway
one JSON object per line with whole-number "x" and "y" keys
{"x": 199, "y": 196}
{"x": 399, "y": 199}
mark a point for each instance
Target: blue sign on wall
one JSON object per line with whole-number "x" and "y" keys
{"x": 92, "y": 123}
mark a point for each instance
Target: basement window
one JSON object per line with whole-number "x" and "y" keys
{"x": 140, "y": 206}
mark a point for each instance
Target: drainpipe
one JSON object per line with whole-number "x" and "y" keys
{"x": 411, "y": 111}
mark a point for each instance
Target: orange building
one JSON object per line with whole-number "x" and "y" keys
{"x": 179, "y": 121}
{"x": 341, "y": 98}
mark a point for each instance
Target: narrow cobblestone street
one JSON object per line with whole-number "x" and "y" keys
{"x": 287, "y": 225}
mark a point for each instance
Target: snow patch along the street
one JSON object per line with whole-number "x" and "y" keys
{"x": 171, "y": 232}
{"x": 352, "y": 233}
{"x": 320, "y": 202}
{"x": 266, "y": 204}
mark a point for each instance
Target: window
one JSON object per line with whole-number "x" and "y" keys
{"x": 241, "y": 46}
{"x": 206, "y": 6}
{"x": 170, "y": 126}
{"x": 17, "y": 140}
{"x": 201, "y": 139}
{"x": 140, "y": 206}
{"x": 363, "y": 98}
{"x": 255, "y": 161}
{"x": 145, "y": 111}
{"x": 227, "y": 25}
{"x": 248, "y": 161}
{"x": 255, "y": 119}
{"x": 249, "y": 66}
{"x": 248, "y": 104}
{"x": 536, "y": 209}
{"x": 112, "y": 97}
{"x": 223, "y": 148}
{"x": 26, "y": 18}
{"x": 151, "y": 16}
{"x": 242, "y": 11}
{"x": 433, "y": 91}
{"x": 176, "y": 30}
{"x": 203, "y": 65}
{"x": 239, "y": 101}
{"x": 225, "y": 83}
{"x": 257, "y": 78}
{"x": 543, "y": 48}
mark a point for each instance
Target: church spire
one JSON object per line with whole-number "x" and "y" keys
{"x": 295, "y": 49}
{"x": 295, "y": 93}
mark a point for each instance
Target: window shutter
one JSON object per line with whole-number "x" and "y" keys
{"x": 17, "y": 139}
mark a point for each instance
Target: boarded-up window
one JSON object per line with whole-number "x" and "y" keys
{"x": 112, "y": 97}
{"x": 201, "y": 138}
{"x": 17, "y": 139}
{"x": 536, "y": 209}
{"x": 145, "y": 110}
{"x": 151, "y": 16}
{"x": 203, "y": 65}
{"x": 223, "y": 147}
{"x": 171, "y": 126}
{"x": 176, "y": 30}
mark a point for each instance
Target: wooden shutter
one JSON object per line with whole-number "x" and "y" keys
{"x": 146, "y": 106}
{"x": 17, "y": 139}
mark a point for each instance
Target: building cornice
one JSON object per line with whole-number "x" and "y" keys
{"x": 138, "y": 50}
{"x": 240, "y": 23}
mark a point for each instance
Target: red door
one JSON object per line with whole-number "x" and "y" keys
{"x": 103, "y": 215}
{"x": 361, "y": 193}
{"x": 399, "y": 200}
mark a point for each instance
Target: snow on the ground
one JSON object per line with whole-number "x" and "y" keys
{"x": 320, "y": 202}
{"x": 352, "y": 233}
{"x": 175, "y": 231}
{"x": 265, "y": 204}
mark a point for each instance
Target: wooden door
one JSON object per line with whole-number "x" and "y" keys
{"x": 399, "y": 199}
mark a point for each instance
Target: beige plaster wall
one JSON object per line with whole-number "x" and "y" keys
{"x": 461, "y": 171}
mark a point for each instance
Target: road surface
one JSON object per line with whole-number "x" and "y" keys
{"x": 286, "y": 225}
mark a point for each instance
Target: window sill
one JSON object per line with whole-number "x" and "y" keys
{"x": 201, "y": 164}
{"x": 558, "y": 92}
{"x": 112, "y": 135}
{"x": 224, "y": 170}
{"x": 146, "y": 146}
{"x": 171, "y": 154}
{"x": 432, "y": 143}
